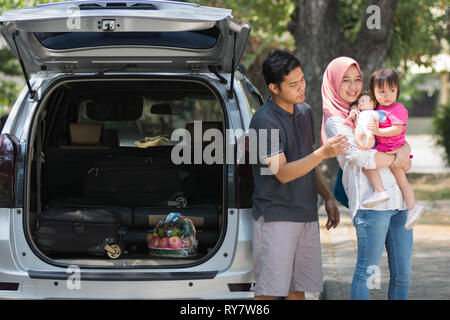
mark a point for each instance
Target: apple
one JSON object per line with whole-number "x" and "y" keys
{"x": 149, "y": 237}
{"x": 155, "y": 243}
{"x": 164, "y": 243}
{"x": 187, "y": 243}
{"x": 175, "y": 242}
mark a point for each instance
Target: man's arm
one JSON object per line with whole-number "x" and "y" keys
{"x": 330, "y": 203}
{"x": 286, "y": 172}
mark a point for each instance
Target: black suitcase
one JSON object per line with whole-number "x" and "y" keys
{"x": 135, "y": 186}
{"x": 96, "y": 231}
{"x": 126, "y": 214}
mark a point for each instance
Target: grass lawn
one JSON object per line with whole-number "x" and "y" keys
{"x": 430, "y": 186}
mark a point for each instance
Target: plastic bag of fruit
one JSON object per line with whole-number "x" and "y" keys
{"x": 173, "y": 236}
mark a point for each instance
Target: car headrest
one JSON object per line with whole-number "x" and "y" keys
{"x": 85, "y": 133}
{"x": 205, "y": 126}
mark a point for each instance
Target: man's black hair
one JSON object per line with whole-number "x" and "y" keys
{"x": 277, "y": 65}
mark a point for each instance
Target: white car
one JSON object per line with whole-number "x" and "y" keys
{"x": 87, "y": 163}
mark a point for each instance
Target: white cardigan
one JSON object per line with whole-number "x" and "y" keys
{"x": 356, "y": 184}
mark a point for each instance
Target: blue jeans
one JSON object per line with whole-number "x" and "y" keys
{"x": 374, "y": 230}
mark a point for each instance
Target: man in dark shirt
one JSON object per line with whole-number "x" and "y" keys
{"x": 286, "y": 242}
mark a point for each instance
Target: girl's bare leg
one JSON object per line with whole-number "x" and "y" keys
{"x": 375, "y": 179}
{"x": 383, "y": 160}
{"x": 405, "y": 187}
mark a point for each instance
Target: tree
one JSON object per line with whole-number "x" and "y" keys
{"x": 9, "y": 66}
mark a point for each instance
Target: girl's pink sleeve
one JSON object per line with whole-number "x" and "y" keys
{"x": 399, "y": 116}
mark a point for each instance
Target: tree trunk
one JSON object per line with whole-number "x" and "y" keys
{"x": 315, "y": 28}
{"x": 371, "y": 46}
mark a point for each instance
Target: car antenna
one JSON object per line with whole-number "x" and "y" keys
{"x": 22, "y": 65}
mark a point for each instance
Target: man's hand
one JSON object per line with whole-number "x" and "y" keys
{"x": 333, "y": 214}
{"x": 334, "y": 146}
{"x": 330, "y": 203}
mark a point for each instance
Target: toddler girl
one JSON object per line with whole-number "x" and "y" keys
{"x": 389, "y": 136}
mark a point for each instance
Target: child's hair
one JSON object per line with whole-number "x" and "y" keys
{"x": 382, "y": 76}
{"x": 366, "y": 93}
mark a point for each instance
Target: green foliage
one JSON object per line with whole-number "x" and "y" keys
{"x": 268, "y": 19}
{"x": 408, "y": 91}
{"x": 418, "y": 28}
{"x": 8, "y": 95}
{"x": 441, "y": 128}
{"x": 9, "y": 66}
{"x": 265, "y": 16}
{"x": 349, "y": 17}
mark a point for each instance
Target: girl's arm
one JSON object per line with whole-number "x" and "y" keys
{"x": 395, "y": 130}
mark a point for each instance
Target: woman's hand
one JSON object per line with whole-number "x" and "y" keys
{"x": 401, "y": 157}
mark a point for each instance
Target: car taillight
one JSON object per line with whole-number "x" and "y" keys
{"x": 243, "y": 176}
{"x": 8, "y": 153}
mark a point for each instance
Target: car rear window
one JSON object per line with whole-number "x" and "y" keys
{"x": 199, "y": 39}
{"x": 201, "y": 105}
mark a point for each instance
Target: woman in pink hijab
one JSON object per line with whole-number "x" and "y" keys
{"x": 382, "y": 225}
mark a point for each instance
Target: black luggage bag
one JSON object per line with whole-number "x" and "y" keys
{"x": 135, "y": 186}
{"x": 96, "y": 231}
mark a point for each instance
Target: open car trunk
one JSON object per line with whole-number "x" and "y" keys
{"x": 109, "y": 172}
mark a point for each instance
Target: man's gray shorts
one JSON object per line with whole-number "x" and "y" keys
{"x": 286, "y": 257}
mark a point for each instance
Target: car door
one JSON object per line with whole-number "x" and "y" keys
{"x": 82, "y": 36}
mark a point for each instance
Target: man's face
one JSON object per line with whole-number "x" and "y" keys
{"x": 292, "y": 89}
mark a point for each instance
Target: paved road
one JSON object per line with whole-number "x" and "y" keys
{"x": 430, "y": 278}
{"x": 428, "y": 158}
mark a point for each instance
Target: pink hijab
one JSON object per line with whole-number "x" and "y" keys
{"x": 333, "y": 105}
